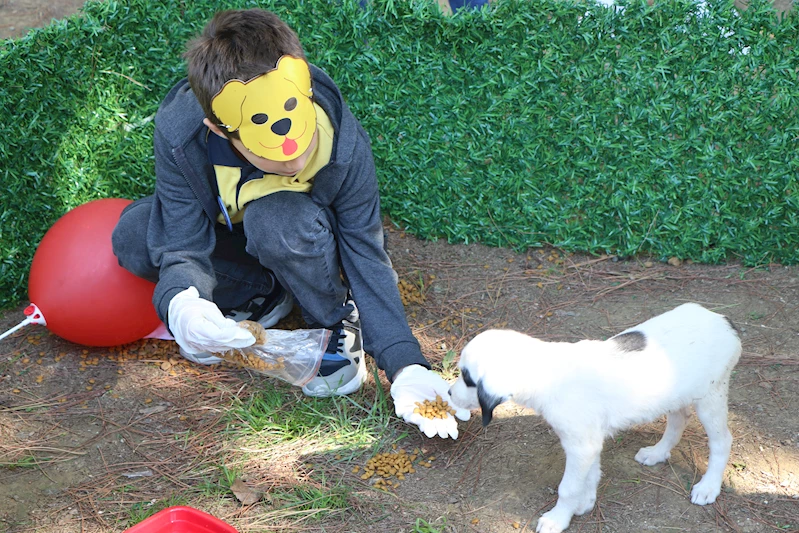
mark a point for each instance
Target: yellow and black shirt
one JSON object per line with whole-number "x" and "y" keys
{"x": 238, "y": 182}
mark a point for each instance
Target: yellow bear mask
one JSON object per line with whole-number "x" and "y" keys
{"x": 273, "y": 113}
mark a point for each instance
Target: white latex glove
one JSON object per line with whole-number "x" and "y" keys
{"x": 414, "y": 384}
{"x": 199, "y": 326}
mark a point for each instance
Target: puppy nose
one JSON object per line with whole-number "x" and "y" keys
{"x": 281, "y": 127}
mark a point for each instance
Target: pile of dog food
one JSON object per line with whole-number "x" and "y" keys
{"x": 390, "y": 468}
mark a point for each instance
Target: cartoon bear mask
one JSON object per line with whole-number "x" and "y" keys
{"x": 273, "y": 112}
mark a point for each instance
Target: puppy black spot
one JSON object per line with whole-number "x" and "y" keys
{"x": 467, "y": 378}
{"x": 632, "y": 341}
{"x": 733, "y": 326}
{"x": 488, "y": 403}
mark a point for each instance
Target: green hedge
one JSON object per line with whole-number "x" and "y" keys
{"x": 650, "y": 130}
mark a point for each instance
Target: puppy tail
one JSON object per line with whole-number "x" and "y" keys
{"x": 488, "y": 402}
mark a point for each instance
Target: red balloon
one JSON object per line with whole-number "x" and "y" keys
{"x": 77, "y": 283}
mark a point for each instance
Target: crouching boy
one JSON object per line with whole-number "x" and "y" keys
{"x": 266, "y": 194}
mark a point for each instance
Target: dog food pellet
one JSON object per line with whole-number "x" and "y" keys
{"x": 475, "y": 521}
{"x": 385, "y": 484}
{"x": 435, "y": 409}
{"x": 249, "y": 358}
{"x": 516, "y": 525}
{"x": 256, "y": 329}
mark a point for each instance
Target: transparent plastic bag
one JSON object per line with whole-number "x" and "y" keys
{"x": 291, "y": 355}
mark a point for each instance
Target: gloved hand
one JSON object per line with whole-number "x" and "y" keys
{"x": 414, "y": 384}
{"x": 199, "y": 326}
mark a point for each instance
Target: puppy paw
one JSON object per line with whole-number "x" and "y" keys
{"x": 705, "y": 493}
{"x": 552, "y": 522}
{"x": 651, "y": 456}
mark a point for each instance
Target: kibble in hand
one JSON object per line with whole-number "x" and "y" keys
{"x": 256, "y": 329}
{"x": 434, "y": 409}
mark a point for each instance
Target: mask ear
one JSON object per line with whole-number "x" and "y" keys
{"x": 227, "y": 103}
{"x": 488, "y": 402}
{"x": 297, "y": 72}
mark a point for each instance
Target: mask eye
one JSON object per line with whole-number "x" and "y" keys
{"x": 290, "y": 104}
{"x": 259, "y": 118}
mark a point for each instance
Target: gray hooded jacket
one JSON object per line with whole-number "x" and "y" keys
{"x": 181, "y": 234}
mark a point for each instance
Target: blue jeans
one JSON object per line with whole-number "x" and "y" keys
{"x": 284, "y": 235}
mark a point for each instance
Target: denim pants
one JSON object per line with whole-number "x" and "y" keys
{"x": 284, "y": 235}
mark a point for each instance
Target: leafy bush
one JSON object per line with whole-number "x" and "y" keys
{"x": 652, "y": 130}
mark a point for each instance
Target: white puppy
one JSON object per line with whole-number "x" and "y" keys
{"x": 590, "y": 389}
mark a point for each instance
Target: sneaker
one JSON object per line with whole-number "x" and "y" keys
{"x": 343, "y": 367}
{"x": 267, "y": 310}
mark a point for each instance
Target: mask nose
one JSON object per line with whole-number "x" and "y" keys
{"x": 281, "y": 127}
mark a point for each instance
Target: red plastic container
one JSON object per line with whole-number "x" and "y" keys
{"x": 182, "y": 519}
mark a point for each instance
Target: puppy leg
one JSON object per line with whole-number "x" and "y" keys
{"x": 592, "y": 482}
{"x": 660, "y": 452}
{"x": 712, "y": 412}
{"x": 582, "y": 454}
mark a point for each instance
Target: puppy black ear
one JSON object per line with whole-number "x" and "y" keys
{"x": 488, "y": 402}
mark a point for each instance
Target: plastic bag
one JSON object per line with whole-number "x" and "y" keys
{"x": 291, "y": 355}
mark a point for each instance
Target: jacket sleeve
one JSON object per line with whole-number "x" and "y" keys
{"x": 372, "y": 279}
{"x": 180, "y": 234}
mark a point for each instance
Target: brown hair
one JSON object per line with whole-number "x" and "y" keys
{"x": 237, "y": 44}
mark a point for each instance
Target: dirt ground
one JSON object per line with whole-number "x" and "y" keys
{"x": 18, "y": 16}
{"x": 93, "y": 432}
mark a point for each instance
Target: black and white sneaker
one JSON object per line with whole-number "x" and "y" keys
{"x": 343, "y": 369}
{"x": 267, "y": 310}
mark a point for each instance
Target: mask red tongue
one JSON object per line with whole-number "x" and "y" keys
{"x": 289, "y": 146}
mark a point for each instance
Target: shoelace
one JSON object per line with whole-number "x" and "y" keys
{"x": 336, "y": 342}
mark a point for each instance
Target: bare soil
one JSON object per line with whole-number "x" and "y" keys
{"x": 19, "y": 16}
{"x": 87, "y": 434}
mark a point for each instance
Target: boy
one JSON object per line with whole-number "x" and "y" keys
{"x": 266, "y": 188}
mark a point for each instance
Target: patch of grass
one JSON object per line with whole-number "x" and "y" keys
{"x": 221, "y": 486}
{"x": 27, "y": 461}
{"x": 313, "y": 501}
{"x": 139, "y": 512}
{"x": 449, "y": 366}
{"x": 287, "y": 441}
{"x": 423, "y": 526}
{"x": 277, "y": 415}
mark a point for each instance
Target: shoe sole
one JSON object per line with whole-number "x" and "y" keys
{"x": 281, "y": 310}
{"x": 347, "y": 388}
{"x": 206, "y": 360}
